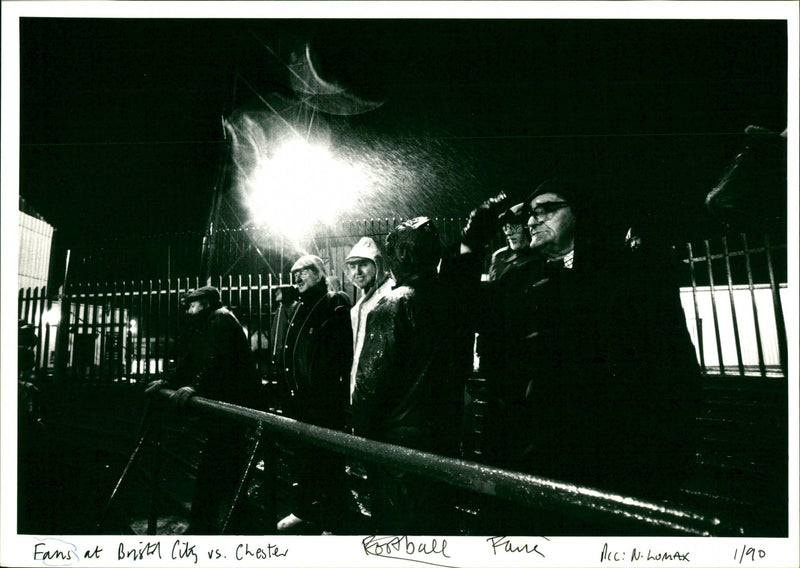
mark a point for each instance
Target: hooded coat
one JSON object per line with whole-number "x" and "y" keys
{"x": 368, "y": 250}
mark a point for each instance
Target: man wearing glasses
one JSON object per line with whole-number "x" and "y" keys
{"x": 602, "y": 378}
{"x": 517, "y": 251}
{"x": 315, "y": 356}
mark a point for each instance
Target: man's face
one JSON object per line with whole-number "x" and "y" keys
{"x": 195, "y": 307}
{"x": 362, "y": 272}
{"x": 551, "y": 224}
{"x": 306, "y": 278}
{"x": 516, "y": 235}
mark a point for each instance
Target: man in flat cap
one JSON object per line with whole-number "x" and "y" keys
{"x": 369, "y": 274}
{"x": 315, "y": 354}
{"x": 215, "y": 363}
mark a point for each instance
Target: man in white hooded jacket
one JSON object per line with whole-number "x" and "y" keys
{"x": 368, "y": 273}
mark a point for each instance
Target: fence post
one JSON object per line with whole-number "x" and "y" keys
{"x": 780, "y": 323}
{"x": 62, "y": 335}
{"x": 757, "y": 324}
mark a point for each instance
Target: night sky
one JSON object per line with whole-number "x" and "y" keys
{"x": 121, "y": 120}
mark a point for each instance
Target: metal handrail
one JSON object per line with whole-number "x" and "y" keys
{"x": 514, "y": 486}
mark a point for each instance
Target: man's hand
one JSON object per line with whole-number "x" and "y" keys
{"x": 484, "y": 222}
{"x": 182, "y": 395}
{"x": 155, "y": 386}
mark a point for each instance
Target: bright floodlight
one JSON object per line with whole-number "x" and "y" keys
{"x": 300, "y": 185}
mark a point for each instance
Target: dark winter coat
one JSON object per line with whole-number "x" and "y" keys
{"x": 315, "y": 353}
{"x": 414, "y": 364}
{"x": 216, "y": 360}
{"x": 506, "y": 258}
{"x": 602, "y": 378}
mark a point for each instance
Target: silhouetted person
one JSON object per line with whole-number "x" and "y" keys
{"x": 215, "y": 363}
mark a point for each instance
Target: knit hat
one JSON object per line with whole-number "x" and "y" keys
{"x": 310, "y": 261}
{"x": 365, "y": 248}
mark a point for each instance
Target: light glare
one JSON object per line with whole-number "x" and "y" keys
{"x": 301, "y": 185}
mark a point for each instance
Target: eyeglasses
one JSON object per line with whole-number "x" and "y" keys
{"x": 545, "y": 211}
{"x": 302, "y": 271}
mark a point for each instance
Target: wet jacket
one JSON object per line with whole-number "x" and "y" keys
{"x": 358, "y": 321}
{"x": 215, "y": 359}
{"x": 316, "y": 352}
{"x": 414, "y": 364}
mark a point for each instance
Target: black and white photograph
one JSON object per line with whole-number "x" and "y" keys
{"x": 399, "y": 283}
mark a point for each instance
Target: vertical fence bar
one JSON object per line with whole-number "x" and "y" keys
{"x": 780, "y": 323}
{"x": 27, "y": 303}
{"x": 270, "y": 298}
{"x": 167, "y": 335}
{"x": 736, "y": 337}
{"x": 139, "y": 333}
{"x": 90, "y": 300}
{"x": 112, "y": 333}
{"x": 21, "y": 304}
{"x": 158, "y": 348}
{"x": 129, "y": 327}
{"x": 148, "y": 347}
{"x": 38, "y": 316}
{"x": 697, "y": 319}
{"x": 122, "y": 333}
{"x": 103, "y": 317}
{"x": 45, "y": 364}
{"x": 252, "y": 323}
{"x": 260, "y": 301}
{"x": 97, "y": 325}
{"x": 65, "y": 329}
{"x": 714, "y": 307}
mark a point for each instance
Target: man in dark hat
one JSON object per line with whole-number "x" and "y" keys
{"x": 216, "y": 363}
{"x": 315, "y": 351}
{"x": 410, "y": 379}
{"x": 513, "y": 222}
{"x": 602, "y": 373}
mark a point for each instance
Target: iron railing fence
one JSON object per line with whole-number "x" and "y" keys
{"x": 733, "y": 293}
